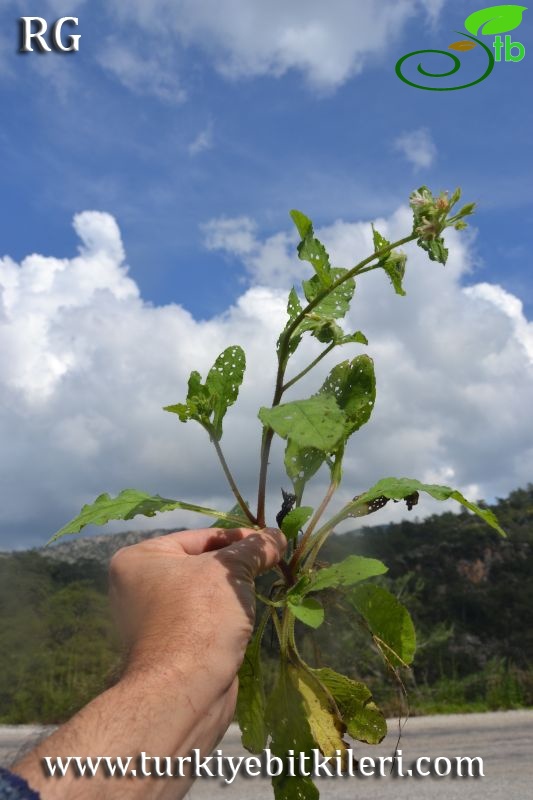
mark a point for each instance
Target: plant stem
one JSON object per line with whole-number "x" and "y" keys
{"x": 312, "y": 525}
{"x": 312, "y": 547}
{"x": 283, "y": 357}
{"x": 309, "y": 368}
{"x": 352, "y": 273}
{"x": 275, "y": 620}
{"x": 231, "y": 481}
{"x": 287, "y": 624}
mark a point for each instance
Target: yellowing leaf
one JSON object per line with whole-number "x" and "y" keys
{"x": 363, "y": 719}
{"x": 463, "y": 45}
{"x": 326, "y": 726}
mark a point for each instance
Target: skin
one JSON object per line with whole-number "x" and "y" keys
{"x": 185, "y": 606}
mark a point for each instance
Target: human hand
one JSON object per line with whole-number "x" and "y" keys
{"x": 187, "y": 600}
{"x": 185, "y": 604}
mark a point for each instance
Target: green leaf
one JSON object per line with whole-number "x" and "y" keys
{"x": 303, "y": 224}
{"x": 198, "y": 405}
{"x": 348, "y": 572}
{"x": 295, "y": 520}
{"x": 294, "y": 309}
{"x": 357, "y": 338}
{"x": 321, "y": 321}
{"x": 301, "y": 463}
{"x": 311, "y": 249}
{"x": 336, "y": 304}
{"x": 128, "y": 504}
{"x": 353, "y": 385}
{"x": 289, "y": 728}
{"x": 223, "y": 383}
{"x": 308, "y": 610}
{"x": 251, "y": 698}
{"x": 393, "y": 263}
{"x": 363, "y": 719}
{"x": 327, "y": 728}
{"x": 435, "y": 248}
{"x": 389, "y": 622}
{"x": 317, "y": 422}
{"x": 495, "y": 19}
{"x": 207, "y": 403}
{"x": 402, "y": 488}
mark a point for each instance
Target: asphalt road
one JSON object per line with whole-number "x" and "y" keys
{"x": 504, "y": 740}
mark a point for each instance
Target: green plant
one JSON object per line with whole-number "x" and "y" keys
{"x": 312, "y": 708}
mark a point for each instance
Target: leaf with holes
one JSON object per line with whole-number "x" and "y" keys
{"x": 363, "y": 719}
{"x": 393, "y": 263}
{"x": 389, "y": 623}
{"x": 311, "y": 249}
{"x": 494, "y": 19}
{"x": 207, "y": 403}
{"x": 223, "y": 383}
{"x": 402, "y": 488}
{"x": 337, "y": 302}
{"x": 301, "y": 463}
{"x": 317, "y": 422}
{"x": 320, "y": 322}
{"x": 129, "y": 504}
{"x": 353, "y": 385}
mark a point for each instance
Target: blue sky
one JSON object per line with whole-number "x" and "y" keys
{"x": 73, "y": 137}
{"x": 242, "y": 111}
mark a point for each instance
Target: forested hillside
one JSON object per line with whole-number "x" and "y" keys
{"x": 470, "y": 593}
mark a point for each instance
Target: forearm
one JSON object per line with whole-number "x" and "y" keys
{"x": 163, "y": 712}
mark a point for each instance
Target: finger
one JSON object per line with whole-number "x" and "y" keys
{"x": 257, "y": 551}
{"x": 202, "y": 540}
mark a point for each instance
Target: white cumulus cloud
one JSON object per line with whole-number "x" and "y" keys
{"x": 86, "y": 365}
{"x": 417, "y": 147}
{"x": 327, "y": 42}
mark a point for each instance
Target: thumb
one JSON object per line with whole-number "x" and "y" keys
{"x": 257, "y": 552}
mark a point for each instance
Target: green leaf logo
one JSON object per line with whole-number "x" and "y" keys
{"x": 495, "y": 19}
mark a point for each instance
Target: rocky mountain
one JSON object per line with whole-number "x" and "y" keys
{"x": 97, "y": 548}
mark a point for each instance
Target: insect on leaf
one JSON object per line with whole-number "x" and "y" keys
{"x": 495, "y": 19}
{"x": 389, "y": 622}
{"x": 403, "y": 488}
{"x": 295, "y": 520}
